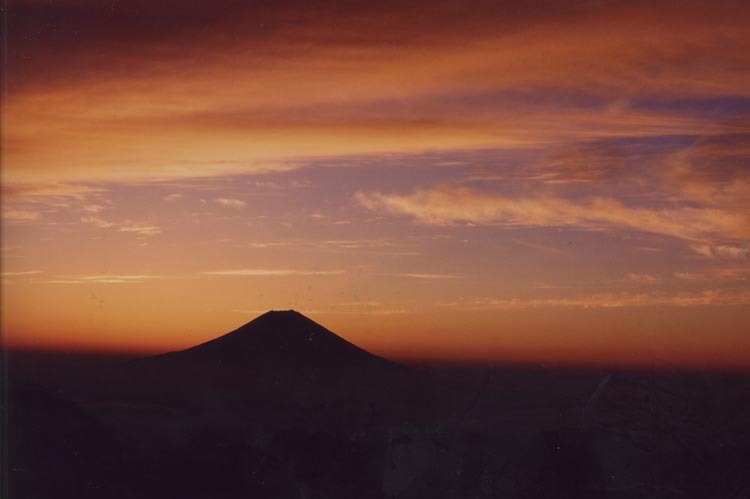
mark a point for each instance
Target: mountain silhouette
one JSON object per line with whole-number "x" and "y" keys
{"x": 280, "y": 366}
{"x": 280, "y": 337}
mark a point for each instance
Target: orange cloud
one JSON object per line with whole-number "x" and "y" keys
{"x": 231, "y": 203}
{"x": 22, "y": 273}
{"x": 642, "y": 278}
{"x": 709, "y": 297}
{"x": 447, "y": 206}
{"x": 427, "y": 276}
{"x": 11, "y": 215}
{"x": 102, "y": 279}
{"x": 272, "y": 272}
{"x": 158, "y": 107}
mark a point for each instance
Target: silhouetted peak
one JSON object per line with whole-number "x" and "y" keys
{"x": 281, "y": 319}
{"x": 274, "y": 331}
{"x": 277, "y": 337}
{"x": 281, "y": 314}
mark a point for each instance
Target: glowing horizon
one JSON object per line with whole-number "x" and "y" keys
{"x": 543, "y": 181}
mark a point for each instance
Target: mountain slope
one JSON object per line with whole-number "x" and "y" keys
{"x": 279, "y": 337}
{"x": 280, "y": 367}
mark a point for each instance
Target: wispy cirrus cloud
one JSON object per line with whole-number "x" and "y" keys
{"x": 326, "y": 244}
{"x": 270, "y": 244}
{"x": 458, "y": 205}
{"x": 93, "y": 208}
{"x": 22, "y": 273}
{"x": 541, "y": 247}
{"x": 708, "y": 297}
{"x": 142, "y": 229}
{"x": 39, "y": 191}
{"x": 48, "y": 204}
{"x": 139, "y": 228}
{"x": 642, "y": 278}
{"x": 103, "y": 279}
{"x": 716, "y": 274}
{"x": 261, "y": 272}
{"x": 97, "y": 222}
{"x": 231, "y": 203}
{"x": 427, "y": 276}
{"x": 688, "y": 276}
{"x": 721, "y": 250}
{"x": 12, "y": 215}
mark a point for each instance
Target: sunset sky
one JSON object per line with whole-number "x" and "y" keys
{"x": 515, "y": 181}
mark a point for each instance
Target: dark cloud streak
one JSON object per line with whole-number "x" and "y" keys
{"x": 70, "y": 40}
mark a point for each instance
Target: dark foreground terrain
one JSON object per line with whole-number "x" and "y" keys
{"x": 283, "y": 408}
